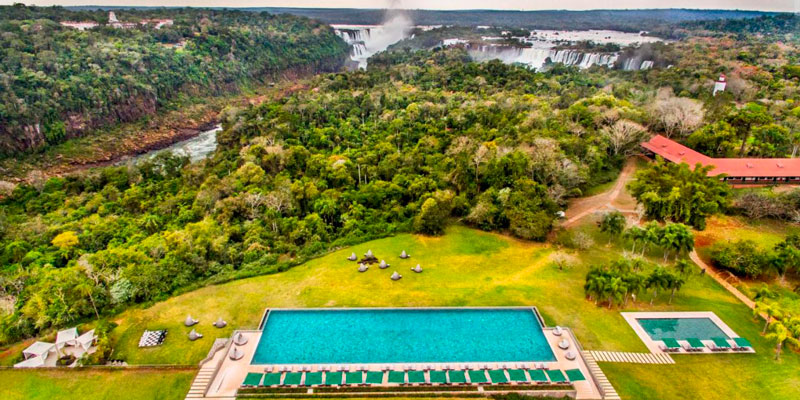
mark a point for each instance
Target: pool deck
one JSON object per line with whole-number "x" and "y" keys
{"x": 229, "y": 374}
{"x": 654, "y": 345}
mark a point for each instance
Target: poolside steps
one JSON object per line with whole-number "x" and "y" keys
{"x": 634, "y": 358}
{"x": 605, "y": 386}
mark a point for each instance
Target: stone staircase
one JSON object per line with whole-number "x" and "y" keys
{"x": 201, "y": 382}
{"x": 608, "y": 391}
{"x": 634, "y": 358}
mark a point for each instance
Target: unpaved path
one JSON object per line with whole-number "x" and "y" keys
{"x": 610, "y": 199}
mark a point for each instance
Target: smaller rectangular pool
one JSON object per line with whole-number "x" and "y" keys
{"x": 681, "y": 328}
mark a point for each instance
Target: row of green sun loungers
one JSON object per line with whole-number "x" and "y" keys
{"x": 696, "y": 345}
{"x": 413, "y": 377}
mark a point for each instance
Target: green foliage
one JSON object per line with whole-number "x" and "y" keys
{"x": 678, "y": 193}
{"x": 745, "y": 258}
{"x": 61, "y": 82}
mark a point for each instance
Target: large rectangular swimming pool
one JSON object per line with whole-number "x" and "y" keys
{"x": 681, "y": 328}
{"x": 435, "y": 335}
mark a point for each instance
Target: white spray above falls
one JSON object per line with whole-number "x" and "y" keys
{"x": 367, "y": 40}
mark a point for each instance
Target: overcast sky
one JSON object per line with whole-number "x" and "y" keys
{"x": 765, "y": 5}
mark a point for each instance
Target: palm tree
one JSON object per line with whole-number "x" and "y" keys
{"x": 635, "y": 234}
{"x": 656, "y": 280}
{"x": 675, "y": 283}
{"x": 764, "y": 293}
{"x": 684, "y": 267}
{"x": 635, "y": 283}
{"x": 780, "y": 333}
{"x": 770, "y": 310}
{"x": 615, "y": 290}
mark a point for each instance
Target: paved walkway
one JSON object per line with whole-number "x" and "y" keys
{"x": 634, "y": 358}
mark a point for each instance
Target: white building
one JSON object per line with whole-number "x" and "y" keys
{"x": 719, "y": 85}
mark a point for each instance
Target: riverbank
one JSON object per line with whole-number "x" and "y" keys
{"x": 106, "y": 147}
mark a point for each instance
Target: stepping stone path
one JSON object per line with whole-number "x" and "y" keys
{"x": 633, "y": 358}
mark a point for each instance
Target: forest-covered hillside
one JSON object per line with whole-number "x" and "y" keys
{"x": 58, "y": 82}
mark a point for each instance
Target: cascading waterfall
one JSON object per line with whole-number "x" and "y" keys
{"x": 537, "y": 57}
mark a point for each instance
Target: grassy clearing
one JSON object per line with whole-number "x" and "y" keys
{"x": 473, "y": 268}
{"x": 95, "y": 384}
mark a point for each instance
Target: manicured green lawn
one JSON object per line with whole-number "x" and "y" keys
{"x": 69, "y": 384}
{"x": 467, "y": 267}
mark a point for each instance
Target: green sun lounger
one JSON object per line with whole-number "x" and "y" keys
{"x": 537, "y": 375}
{"x": 575, "y": 375}
{"x": 671, "y": 343}
{"x": 456, "y": 376}
{"x": 439, "y": 377}
{"x": 498, "y": 376}
{"x": 272, "y": 379}
{"x": 252, "y": 379}
{"x": 695, "y": 343}
{"x": 398, "y": 377}
{"x": 556, "y": 376}
{"x": 416, "y": 377}
{"x": 374, "y": 378}
{"x": 721, "y": 343}
{"x": 313, "y": 379}
{"x": 742, "y": 342}
{"x": 478, "y": 376}
{"x": 517, "y": 375}
{"x": 354, "y": 378}
{"x": 333, "y": 378}
{"x": 292, "y": 378}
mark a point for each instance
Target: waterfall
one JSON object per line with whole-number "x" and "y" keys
{"x": 366, "y": 40}
{"x": 537, "y": 57}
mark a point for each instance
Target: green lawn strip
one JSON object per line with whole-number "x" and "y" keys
{"x": 95, "y": 384}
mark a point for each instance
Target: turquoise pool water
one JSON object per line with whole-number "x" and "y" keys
{"x": 401, "y": 336}
{"x": 681, "y": 328}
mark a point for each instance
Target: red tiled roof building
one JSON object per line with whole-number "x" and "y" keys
{"x": 734, "y": 170}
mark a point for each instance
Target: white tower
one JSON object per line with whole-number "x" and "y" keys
{"x": 112, "y": 18}
{"x": 719, "y": 85}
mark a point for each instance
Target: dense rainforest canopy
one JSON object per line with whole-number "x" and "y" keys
{"x": 58, "y": 82}
{"x": 418, "y": 140}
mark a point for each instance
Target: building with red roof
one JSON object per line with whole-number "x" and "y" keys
{"x": 733, "y": 170}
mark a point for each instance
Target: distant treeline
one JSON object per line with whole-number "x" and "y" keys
{"x": 765, "y": 24}
{"x": 621, "y": 20}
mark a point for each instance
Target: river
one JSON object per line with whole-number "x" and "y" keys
{"x": 197, "y": 148}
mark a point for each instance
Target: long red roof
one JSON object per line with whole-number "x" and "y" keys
{"x": 734, "y": 167}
